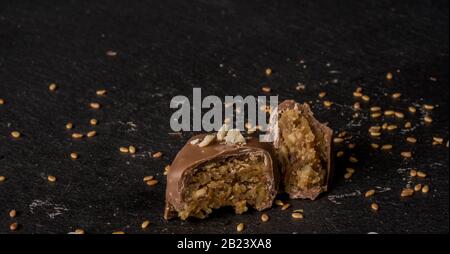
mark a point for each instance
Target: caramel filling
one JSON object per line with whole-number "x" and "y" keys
{"x": 299, "y": 153}
{"x": 238, "y": 182}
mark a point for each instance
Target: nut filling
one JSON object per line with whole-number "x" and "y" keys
{"x": 300, "y": 154}
{"x": 238, "y": 181}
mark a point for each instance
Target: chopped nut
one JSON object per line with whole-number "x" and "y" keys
{"x": 16, "y": 134}
{"x": 396, "y": 95}
{"x": 369, "y": 193}
{"x": 425, "y": 189}
{"x": 264, "y": 217}
{"x": 222, "y": 133}
{"x": 407, "y": 192}
{"x": 234, "y": 136}
{"x": 406, "y": 154}
{"x": 240, "y": 227}
{"x": 297, "y": 215}
{"x": 208, "y": 139}
{"x": 195, "y": 141}
{"x": 421, "y": 174}
{"x": 157, "y": 155}
{"x": 374, "y": 206}
{"x": 145, "y": 224}
{"x": 418, "y": 187}
{"x": 411, "y": 140}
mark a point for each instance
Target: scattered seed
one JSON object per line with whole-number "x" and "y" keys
{"x": 374, "y": 206}
{"x": 438, "y": 140}
{"x": 2, "y": 178}
{"x": 79, "y": 231}
{"x": 413, "y": 172}
{"x": 411, "y": 140}
{"x": 157, "y": 155}
{"x": 365, "y": 98}
{"x": 2, "y": 101}
{"x": 74, "y": 156}
{"x": 145, "y": 224}
{"x": 357, "y": 106}
{"x": 166, "y": 170}
{"x": 268, "y": 71}
{"x": 327, "y": 104}
{"x": 357, "y": 94}
{"x": 389, "y": 76}
{"x": 399, "y": 115}
{"x": 386, "y": 147}
{"x": 375, "y": 146}
{"x": 421, "y": 174}
{"x": 264, "y": 217}
{"x": 77, "y": 135}
{"x": 350, "y": 170}
{"x": 52, "y": 87}
{"x": 69, "y": 126}
{"x": 132, "y": 149}
{"x": 16, "y": 134}
{"x": 148, "y": 178}
{"x": 375, "y": 128}
{"x": 91, "y": 134}
{"x": 428, "y": 119}
{"x": 359, "y": 89}
{"x": 300, "y": 87}
{"x": 338, "y": 140}
{"x": 13, "y": 226}
{"x": 369, "y": 193}
{"x": 124, "y": 149}
{"x": 384, "y": 126}
{"x": 375, "y": 109}
{"x": 340, "y": 154}
{"x": 297, "y": 215}
{"x": 266, "y": 89}
{"x": 375, "y": 115}
{"x": 408, "y": 125}
{"x": 100, "y": 92}
{"x": 12, "y": 213}
{"x": 118, "y": 233}
{"x": 240, "y": 227}
{"x": 322, "y": 94}
{"x": 418, "y": 187}
{"x": 279, "y": 202}
{"x": 392, "y": 127}
{"x": 396, "y": 95}
{"x": 407, "y": 192}
{"x": 285, "y": 206}
{"x": 389, "y": 112}
{"x": 425, "y": 189}
{"x": 93, "y": 121}
{"x": 428, "y": 107}
{"x": 51, "y": 178}
{"x": 152, "y": 182}
{"x": 351, "y": 146}
{"x": 94, "y": 105}
{"x": 406, "y": 154}
{"x": 353, "y": 159}
{"x": 412, "y": 109}
{"x": 348, "y": 175}
{"x": 111, "y": 53}
{"x": 375, "y": 134}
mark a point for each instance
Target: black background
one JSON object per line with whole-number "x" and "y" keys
{"x": 165, "y": 48}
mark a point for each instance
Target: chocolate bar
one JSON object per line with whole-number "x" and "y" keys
{"x": 304, "y": 149}
{"x": 208, "y": 174}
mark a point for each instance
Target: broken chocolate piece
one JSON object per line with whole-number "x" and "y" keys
{"x": 202, "y": 179}
{"x": 304, "y": 149}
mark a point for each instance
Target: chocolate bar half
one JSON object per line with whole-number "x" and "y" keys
{"x": 203, "y": 178}
{"x": 304, "y": 149}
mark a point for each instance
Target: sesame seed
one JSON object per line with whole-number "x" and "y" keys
{"x": 366, "y": 98}
{"x": 428, "y": 107}
{"x": 297, "y": 215}
{"x": 384, "y": 126}
{"x": 391, "y": 127}
{"x": 2, "y": 178}
{"x": 406, "y": 154}
{"x": 396, "y": 95}
{"x": 79, "y": 231}
{"x": 348, "y": 175}
{"x": 69, "y": 126}
{"x": 358, "y": 89}
{"x": 357, "y": 106}
{"x": 93, "y": 121}
{"x": 145, "y": 224}
{"x": 407, "y": 192}
{"x": 264, "y": 217}
{"x": 74, "y": 156}
{"x": 166, "y": 170}
{"x": 386, "y": 147}
{"x": 285, "y": 206}
{"x": 353, "y": 159}
{"x": 375, "y": 128}
{"x": 374, "y": 146}
{"x": 421, "y": 174}
{"x": 157, "y": 155}
{"x": 100, "y": 92}
{"x": 438, "y": 140}
{"x": 389, "y": 112}
{"x": 13, "y": 226}
{"x": 375, "y": 115}
{"x": 51, "y": 178}
{"x": 118, "y": 233}
{"x": 77, "y": 135}
{"x": 428, "y": 119}
{"x": 266, "y": 89}
{"x": 408, "y": 125}
{"x": 240, "y": 227}
{"x": 300, "y": 87}
{"x": 16, "y": 134}
{"x": 350, "y": 170}
{"x": 351, "y": 146}
{"x": 152, "y": 182}
{"x": 425, "y": 189}
{"x": 411, "y": 140}
{"x": 412, "y": 109}
{"x": 338, "y": 140}
{"x": 268, "y": 71}
{"x": 340, "y": 154}
{"x": 357, "y": 94}
{"x": 279, "y": 202}
{"x": 374, "y": 206}
{"x": 111, "y": 53}
{"x": 94, "y": 105}
{"x": 2, "y": 101}
{"x": 369, "y": 193}
{"x": 132, "y": 149}
{"x": 91, "y": 134}
{"x": 148, "y": 178}
{"x": 52, "y": 87}
{"x": 389, "y": 76}
{"x": 399, "y": 115}
{"x": 375, "y": 134}
{"x": 413, "y": 172}
{"x": 124, "y": 149}
{"x": 418, "y": 187}
{"x": 327, "y": 104}
{"x": 12, "y": 213}
{"x": 375, "y": 109}
{"x": 322, "y": 94}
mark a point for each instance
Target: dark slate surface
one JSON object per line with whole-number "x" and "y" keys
{"x": 164, "y": 48}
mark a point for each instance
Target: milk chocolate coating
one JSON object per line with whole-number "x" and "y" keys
{"x": 318, "y": 129}
{"x": 192, "y": 156}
